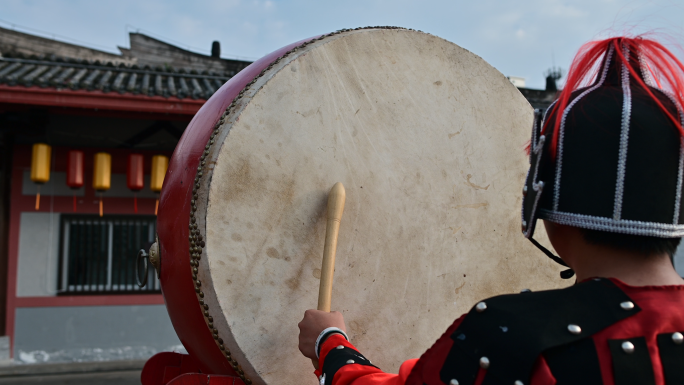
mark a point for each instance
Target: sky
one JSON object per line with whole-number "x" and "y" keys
{"x": 521, "y": 38}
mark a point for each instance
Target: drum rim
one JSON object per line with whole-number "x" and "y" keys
{"x": 176, "y": 282}
{"x": 176, "y": 210}
{"x": 231, "y": 115}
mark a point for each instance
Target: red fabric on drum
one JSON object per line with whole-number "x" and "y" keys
{"x": 662, "y": 312}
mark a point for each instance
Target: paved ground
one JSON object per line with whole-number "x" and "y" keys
{"x": 90, "y": 373}
{"x": 130, "y": 377}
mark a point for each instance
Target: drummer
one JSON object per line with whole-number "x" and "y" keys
{"x": 607, "y": 166}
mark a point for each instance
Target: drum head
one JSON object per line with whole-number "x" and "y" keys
{"x": 428, "y": 140}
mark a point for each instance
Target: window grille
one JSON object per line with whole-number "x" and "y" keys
{"x": 98, "y": 254}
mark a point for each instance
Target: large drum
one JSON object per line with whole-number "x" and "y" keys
{"x": 428, "y": 140}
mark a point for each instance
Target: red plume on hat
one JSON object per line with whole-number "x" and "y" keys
{"x": 660, "y": 65}
{"x": 608, "y": 154}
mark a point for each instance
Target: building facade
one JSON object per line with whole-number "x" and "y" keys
{"x": 68, "y": 285}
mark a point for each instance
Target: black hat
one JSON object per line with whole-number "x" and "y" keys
{"x": 610, "y": 156}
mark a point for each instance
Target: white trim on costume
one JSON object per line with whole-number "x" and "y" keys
{"x": 624, "y": 226}
{"x": 624, "y": 137}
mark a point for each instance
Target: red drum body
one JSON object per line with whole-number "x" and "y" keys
{"x": 174, "y": 217}
{"x": 427, "y": 139}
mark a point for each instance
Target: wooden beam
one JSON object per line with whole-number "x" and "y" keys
{"x": 90, "y": 300}
{"x": 98, "y": 100}
{"x": 6, "y": 155}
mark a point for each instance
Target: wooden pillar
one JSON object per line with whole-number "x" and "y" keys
{"x": 6, "y": 154}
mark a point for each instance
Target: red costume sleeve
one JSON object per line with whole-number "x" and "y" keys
{"x": 661, "y": 313}
{"x": 359, "y": 374}
{"x": 355, "y": 374}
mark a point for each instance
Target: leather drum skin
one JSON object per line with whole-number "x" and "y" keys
{"x": 428, "y": 140}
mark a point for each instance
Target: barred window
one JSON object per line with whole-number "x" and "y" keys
{"x": 98, "y": 254}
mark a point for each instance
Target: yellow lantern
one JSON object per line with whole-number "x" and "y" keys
{"x": 40, "y": 163}
{"x": 102, "y": 175}
{"x": 159, "y": 165}
{"x": 40, "y": 166}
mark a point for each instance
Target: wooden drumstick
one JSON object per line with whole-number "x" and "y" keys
{"x": 336, "y": 199}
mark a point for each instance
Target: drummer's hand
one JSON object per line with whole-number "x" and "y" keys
{"x": 314, "y": 322}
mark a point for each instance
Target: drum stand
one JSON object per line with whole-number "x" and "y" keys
{"x": 169, "y": 368}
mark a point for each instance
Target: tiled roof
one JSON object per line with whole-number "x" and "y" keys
{"x": 541, "y": 99}
{"x": 60, "y": 73}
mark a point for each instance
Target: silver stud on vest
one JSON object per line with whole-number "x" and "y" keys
{"x": 339, "y": 347}
{"x": 677, "y": 338}
{"x": 574, "y": 329}
{"x": 627, "y": 305}
{"x": 628, "y": 347}
{"x": 518, "y": 382}
{"x": 484, "y": 362}
{"x": 525, "y": 190}
{"x": 350, "y": 361}
{"x": 453, "y": 381}
{"x": 480, "y": 307}
{"x": 525, "y": 291}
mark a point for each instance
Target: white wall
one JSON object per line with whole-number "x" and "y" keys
{"x": 38, "y": 254}
{"x": 92, "y": 333}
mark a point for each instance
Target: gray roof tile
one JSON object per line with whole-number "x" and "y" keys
{"x": 61, "y": 73}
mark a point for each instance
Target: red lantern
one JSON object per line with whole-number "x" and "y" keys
{"x": 134, "y": 176}
{"x": 75, "y": 171}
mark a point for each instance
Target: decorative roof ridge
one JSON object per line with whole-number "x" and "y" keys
{"x": 109, "y": 66}
{"x": 94, "y": 76}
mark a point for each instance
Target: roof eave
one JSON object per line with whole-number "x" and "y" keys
{"x": 98, "y": 100}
